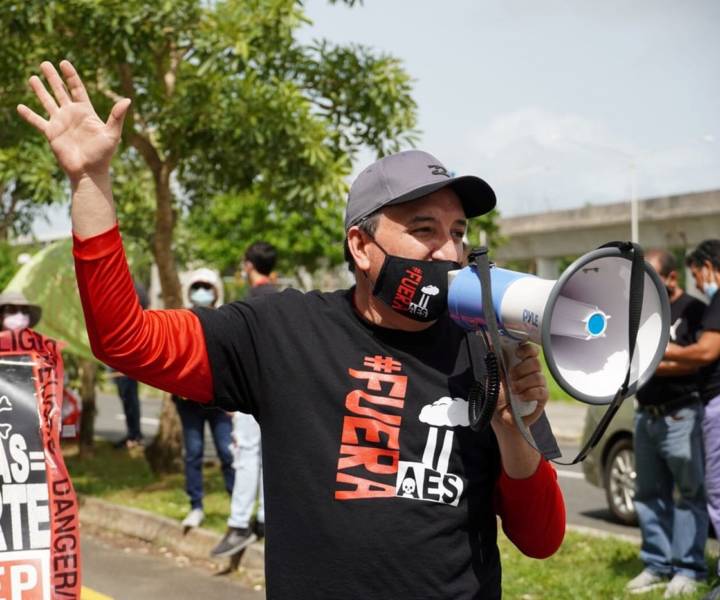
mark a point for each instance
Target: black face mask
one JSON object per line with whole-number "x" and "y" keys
{"x": 417, "y": 289}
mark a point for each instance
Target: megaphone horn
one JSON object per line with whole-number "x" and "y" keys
{"x": 580, "y": 320}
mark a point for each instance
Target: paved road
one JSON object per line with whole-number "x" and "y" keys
{"x": 585, "y": 503}
{"x": 110, "y": 420}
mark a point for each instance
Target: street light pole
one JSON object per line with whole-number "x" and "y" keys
{"x": 634, "y": 218}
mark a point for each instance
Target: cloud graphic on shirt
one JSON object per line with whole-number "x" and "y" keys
{"x": 430, "y": 290}
{"x": 446, "y": 412}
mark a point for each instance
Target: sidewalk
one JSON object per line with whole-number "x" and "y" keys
{"x": 162, "y": 531}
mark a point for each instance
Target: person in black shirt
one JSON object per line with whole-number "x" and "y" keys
{"x": 704, "y": 263}
{"x": 260, "y": 259}
{"x": 259, "y": 262}
{"x": 669, "y": 454}
{"x": 376, "y": 486}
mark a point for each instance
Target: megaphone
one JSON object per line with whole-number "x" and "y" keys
{"x": 580, "y": 320}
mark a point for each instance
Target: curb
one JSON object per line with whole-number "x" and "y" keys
{"x": 162, "y": 531}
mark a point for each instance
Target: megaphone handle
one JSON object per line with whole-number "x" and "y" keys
{"x": 509, "y": 348}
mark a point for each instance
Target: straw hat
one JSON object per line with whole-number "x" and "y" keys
{"x": 13, "y": 298}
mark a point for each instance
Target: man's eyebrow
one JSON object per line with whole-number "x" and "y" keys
{"x": 418, "y": 219}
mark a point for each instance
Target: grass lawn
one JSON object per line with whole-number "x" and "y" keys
{"x": 125, "y": 478}
{"x": 585, "y": 567}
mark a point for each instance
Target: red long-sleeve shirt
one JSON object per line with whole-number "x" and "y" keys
{"x": 167, "y": 349}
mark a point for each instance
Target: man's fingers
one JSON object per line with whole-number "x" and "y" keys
{"x": 525, "y": 367}
{"x": 529, "y": 381}
{"x": 74, "y": 83}
{"x": 42, "y": 94}
{"x": 533, "y": 394}
{"x": 32, "y": 118}
{"x": 526, "y": 350}
{"x": 57, "y": 85}
{"x": 117, "y": 116}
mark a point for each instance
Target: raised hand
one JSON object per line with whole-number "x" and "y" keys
{"x": 83, "y": 144}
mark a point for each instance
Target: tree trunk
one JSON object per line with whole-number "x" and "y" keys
{"x": 165, "y": 452}
{"x": 162, "y": 241}
{"x": 88, "y": 377}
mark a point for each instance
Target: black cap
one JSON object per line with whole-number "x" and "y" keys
{"x": 408, "y": 176}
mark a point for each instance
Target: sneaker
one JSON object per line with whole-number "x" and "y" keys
{"x": 120, "y": 444}
{"x": 647, "y": 580}
{"x": 193, "y": 518}
{"x": 234, "y": 540}
{"x": 681, "y": 585}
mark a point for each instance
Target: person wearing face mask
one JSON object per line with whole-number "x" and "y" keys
{"x": 17, "y": 313}
{"x": 704, "y": 264}
{"x": 203, "y": 292}
{"x": 669, "y": 455}
{"x": 375, "y": 485}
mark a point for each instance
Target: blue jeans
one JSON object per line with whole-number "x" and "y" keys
{"x": 711, "y": 434}
{"x": 128, "y": 391}
{"x": 193, "y": 417}
{"x": 669, "y": 454}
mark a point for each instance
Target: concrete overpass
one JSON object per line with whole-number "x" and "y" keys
{"x": 669, "y": 222}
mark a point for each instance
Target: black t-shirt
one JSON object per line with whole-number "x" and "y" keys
{"x": 686, "y": 314}
{"x": 262, "y": 290}
{"x": 710, "y": 374}
{"x": 375, "y": 486}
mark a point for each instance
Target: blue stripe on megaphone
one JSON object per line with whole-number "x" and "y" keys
{"x": 465, "y": 296}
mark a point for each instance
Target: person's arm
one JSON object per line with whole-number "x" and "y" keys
{"x": 669, "y": 368}
{"x": 163, "y": 348}
{"x": 703, "y": 352}
{"x": 532, "y": 511}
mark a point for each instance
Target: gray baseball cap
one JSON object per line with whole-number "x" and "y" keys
{"x": 408, "y": 176}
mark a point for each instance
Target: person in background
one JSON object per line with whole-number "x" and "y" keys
{"x": 242, "y": 530}
{"x": 17, "y": 313}
{"x": 203, "y": 291}
{"x": 260, "y": 259}
{"x": 704, "y": 264}
{"x": 127, "y": 389}
{"x": 669, "y": 455}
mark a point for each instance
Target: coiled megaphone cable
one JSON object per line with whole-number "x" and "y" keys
{"x": 485, "y": 391}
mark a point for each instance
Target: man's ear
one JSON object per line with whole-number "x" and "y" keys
{"x": 358, "y": 246}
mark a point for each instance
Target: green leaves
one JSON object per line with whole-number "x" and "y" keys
{"x": 254, "y": 131}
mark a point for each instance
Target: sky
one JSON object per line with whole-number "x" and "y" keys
{"x": 556, "y": 103}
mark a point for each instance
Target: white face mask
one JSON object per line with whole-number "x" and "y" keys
{"x": 710, "y": 288}
{"x": 17, "y": 321}
{"x": 202, "y": 297}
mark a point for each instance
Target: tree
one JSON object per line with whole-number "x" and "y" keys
{"x": 29, "y": 180}
{"x": 225, "y": 100}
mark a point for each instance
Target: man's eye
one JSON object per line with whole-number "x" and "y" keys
{"x": 422, "y": 231}
{"x": 458, "y": 235}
